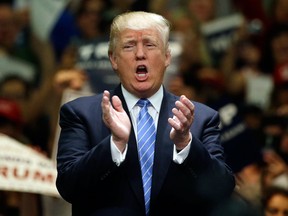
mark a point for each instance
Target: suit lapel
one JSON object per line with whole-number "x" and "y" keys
{"x": 163, "y": 149}
{"x": 131, "y": 164}
{"x": 164, "y": 146}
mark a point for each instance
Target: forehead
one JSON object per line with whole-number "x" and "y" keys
{"x": 132, "y": 34}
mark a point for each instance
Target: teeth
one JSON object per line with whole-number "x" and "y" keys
{"x": 141, "y": 75}
{"x": 141, "y": 67}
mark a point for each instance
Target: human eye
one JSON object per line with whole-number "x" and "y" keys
{"x": 150, "y": 45}
{"x": 128, "y": 46}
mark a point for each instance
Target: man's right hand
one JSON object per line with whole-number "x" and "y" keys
{"x": 116, "y": 119}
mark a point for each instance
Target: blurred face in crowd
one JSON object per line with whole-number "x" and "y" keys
{"x": 8, "y": 28}
{"x": 277, "y": 206}
{"x": 10, "y": 118}
{"x": 123, "y": 5}
{"x": 281, "y": 11}
{"x": 16, "y": 90}
{"x": 140, "y": 59}
{"x": 249, "y": 53}
{"x": 203, "y": 10}
{"x": 280, "y": 48}
{"x": 89, "y": 18}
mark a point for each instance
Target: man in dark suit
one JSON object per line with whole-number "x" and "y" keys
{"x": 98, "y": 161}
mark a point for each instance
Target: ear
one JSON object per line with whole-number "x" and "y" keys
{"x": 168, "y": 57}
{"x": 113, "y": 60}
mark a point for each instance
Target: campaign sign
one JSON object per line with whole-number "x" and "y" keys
{"x": 219, "y": 34}
{"x": 23, "y": 169}
{"x": 93, "y": 58}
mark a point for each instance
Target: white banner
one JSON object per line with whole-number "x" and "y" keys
{"x": 23, "y": 169}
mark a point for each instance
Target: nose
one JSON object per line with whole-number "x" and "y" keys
{"x": 140, "y": 51}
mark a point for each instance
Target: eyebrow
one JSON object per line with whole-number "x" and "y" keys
{"x": 144, "y": 39}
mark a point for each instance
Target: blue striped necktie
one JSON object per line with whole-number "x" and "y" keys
{"x": 146, "y": 135}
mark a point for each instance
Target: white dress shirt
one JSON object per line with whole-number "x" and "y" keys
{"x": 117, "y": 156}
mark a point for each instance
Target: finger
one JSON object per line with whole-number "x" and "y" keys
{"x": 105, "y": 99}
{"x": 184, "y": 115}
{"x": 187, "y": 110}
{"x": 179, "y": 117}
{"x": 106, "y": 93}
{"x": 187, "y": 102}
{"x": 117, "y": 103}
{"x": 105, "y": 104}
{"x": 174, "y": 124}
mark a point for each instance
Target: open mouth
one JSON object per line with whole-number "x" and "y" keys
{"x": 141, "y": 71}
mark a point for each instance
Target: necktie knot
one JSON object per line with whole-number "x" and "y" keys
{"x": 143, "y": 102}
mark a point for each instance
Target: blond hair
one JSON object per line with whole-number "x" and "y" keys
{"x": 138, "y": 20}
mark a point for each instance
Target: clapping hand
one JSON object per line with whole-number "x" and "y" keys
{"x": 181, "y": 122}
{"x": 116, "y": 119}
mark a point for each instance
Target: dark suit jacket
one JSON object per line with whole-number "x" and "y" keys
{"x": 91, "y": 181}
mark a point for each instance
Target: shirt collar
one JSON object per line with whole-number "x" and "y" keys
{"x": 155, "y": 99}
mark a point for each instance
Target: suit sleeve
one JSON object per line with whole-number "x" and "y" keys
{"x": 84, "y": 156}
{"x": 206, "y": 161}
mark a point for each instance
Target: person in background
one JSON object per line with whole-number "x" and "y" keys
{"x": 275, "y": 201}
{"x": 17, "y": 41}
{"x": 98, "y": 164}
{"x": 276, "y": 159}
{"x": 14, "y": 203}
{"x": 35, "y": 125}
{"x": 11, "y": 120}
{"x": 275, "y": 57}
{"x": 82, "y": 59}
{"x": 27, "y": 75}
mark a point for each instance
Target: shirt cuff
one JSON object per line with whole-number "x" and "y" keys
{"x": 117, "y": 156}
{"x": 179, "y": 157}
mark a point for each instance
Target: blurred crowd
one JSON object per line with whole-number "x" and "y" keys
{"x": 246, "y": 80}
